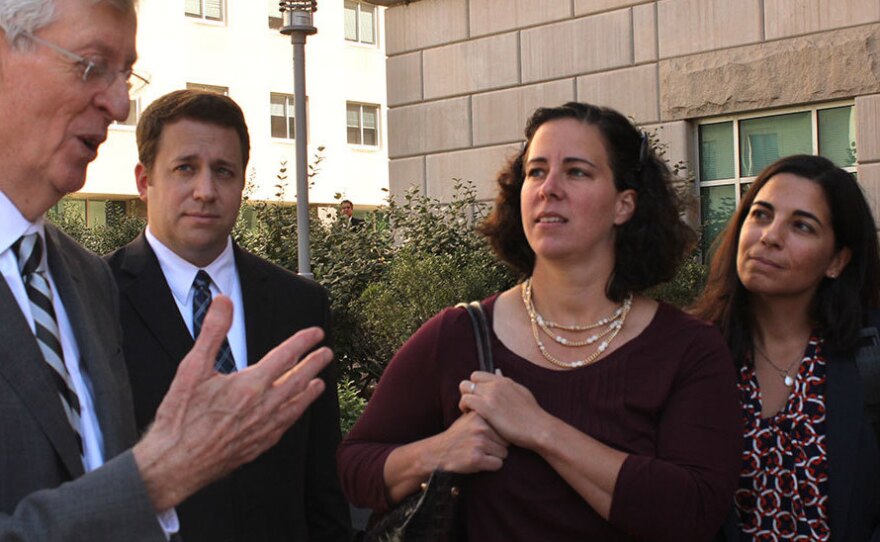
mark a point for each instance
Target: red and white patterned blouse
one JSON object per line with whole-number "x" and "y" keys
{"x": 783, "y": 488}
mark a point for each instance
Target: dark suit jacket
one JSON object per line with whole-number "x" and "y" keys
{"x": 44, "y": 494}
{"x": 289, "y": 493}
{"x": 853, "y": 460}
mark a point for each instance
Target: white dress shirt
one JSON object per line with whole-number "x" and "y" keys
{"x": 12, "y": 226}
{"x": 180, "y": 274}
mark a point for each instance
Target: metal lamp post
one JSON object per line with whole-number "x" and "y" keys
{"x": 297, "y": 23}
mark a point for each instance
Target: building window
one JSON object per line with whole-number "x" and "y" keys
{"x": 134, "y": 113}
{"x": 274, "y": 10}
{"x": 734, "y": 150}
{"x": 208, "y": 10}
{"x": 209, "y": 88}
{"x": 281, "y": 116}
{"x": 360, "y": 22}
{"x": 362, "y": 121}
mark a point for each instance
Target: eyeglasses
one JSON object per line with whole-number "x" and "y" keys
{"x": 96, "y": 71}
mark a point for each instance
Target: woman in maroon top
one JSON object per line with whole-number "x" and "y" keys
{"x": 792, "y": 282}
{"x": 611, "y": 417}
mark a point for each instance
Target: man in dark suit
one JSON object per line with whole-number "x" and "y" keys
{"x": 348, "y": 218}
{"x": 70, "y": 467}
{"x": 193, "y": 150}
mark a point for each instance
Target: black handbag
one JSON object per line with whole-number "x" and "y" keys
{"x": 433, "y": 513}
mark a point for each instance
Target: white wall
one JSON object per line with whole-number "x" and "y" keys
{"x": 244, "y": 54}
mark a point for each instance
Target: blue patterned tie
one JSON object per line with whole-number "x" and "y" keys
{"x": 29, "y": 251}
{"x": 201, "y": 301}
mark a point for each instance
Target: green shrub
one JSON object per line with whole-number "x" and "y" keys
{"x": 351, "y": 404}
{"x": 119, "y": 230}
{"x": 684, "y": 287}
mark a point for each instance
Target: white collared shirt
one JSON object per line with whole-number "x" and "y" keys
{"x": 180, "y": 274}
{"x": 12, "y": 226}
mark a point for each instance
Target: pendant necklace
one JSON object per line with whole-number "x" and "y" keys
{"x": 789, "y": 380}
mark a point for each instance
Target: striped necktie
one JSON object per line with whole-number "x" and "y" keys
{"x": 201, "y": 301}
{"x": 29, "y": 251}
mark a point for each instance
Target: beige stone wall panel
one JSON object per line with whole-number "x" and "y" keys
{"x": 869, "y": 178}
{"x": 632, "y": 91}
{"x": 429, "y": 127}
{"x": 831, "y": 65}
{"x": 477, "y": 165}
{"x": 490, "y": 16}
{"x": 406, "y": 173}
{"x": 403, "y": 75}
{"x": 868, "y": 128}
{"x": 471, "y": 66}
{"x": 500, "y": 116}
{"x": 783, "y": 18}
{"x": 645, "y": 33}
{"x": 587, "y": 7}
{"x": 692, "y": 26}
{"x": 425, "y": 23}
{"x": 576, "y": 47}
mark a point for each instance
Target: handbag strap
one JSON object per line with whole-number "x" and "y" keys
{"x": 481, "y": 332}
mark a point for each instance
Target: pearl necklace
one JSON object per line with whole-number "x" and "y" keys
{"x": 614, "y": 324}
{"x": 789, "y": 380}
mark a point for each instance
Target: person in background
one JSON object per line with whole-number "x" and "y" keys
{"x": 348, "y": 218}
{"x": 193, "y": 150}
{"x": 71, "y": 467}
{"x": 595, "y": 426}
{"x": 792, "y": 281}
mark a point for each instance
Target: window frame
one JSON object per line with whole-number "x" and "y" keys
{"x": 191, "y": 85}
{"x": 275, "y": 21}
{"x": 738, "y": 181}
{"x": 203, "y": 18}
{"x": 289, "y": 114}
{"x": 361, "y": 106}
{"x": 358, "y": 41}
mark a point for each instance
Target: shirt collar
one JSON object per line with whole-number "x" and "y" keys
{"x": 179, "y": 273}
{"x": 13, "y": 224}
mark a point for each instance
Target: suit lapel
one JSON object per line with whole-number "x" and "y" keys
{"x": 94, "y": 356}
{"x": 256, "y": 297}
{"x": 149, "y": 295}
{"x": 26, "y": 371}
{"x": 843, "y": 409}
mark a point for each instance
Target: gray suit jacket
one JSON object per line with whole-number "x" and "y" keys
{"x": 44, "y": 494}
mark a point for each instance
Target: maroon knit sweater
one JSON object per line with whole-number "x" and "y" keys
{"x": 668, "y": 398}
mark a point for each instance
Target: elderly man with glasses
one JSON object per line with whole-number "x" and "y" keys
{"x": 70, "y": 468}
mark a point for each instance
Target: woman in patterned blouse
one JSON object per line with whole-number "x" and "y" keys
{"x": 794, "y": 278}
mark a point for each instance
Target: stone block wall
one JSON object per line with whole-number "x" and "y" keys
{"x": 463, "y": 75}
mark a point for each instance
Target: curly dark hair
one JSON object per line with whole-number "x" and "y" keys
{"x": 648, "y": 247}
{"x": 840, "y": 305}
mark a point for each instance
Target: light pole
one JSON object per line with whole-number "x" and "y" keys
{"x": 297, "y": 23}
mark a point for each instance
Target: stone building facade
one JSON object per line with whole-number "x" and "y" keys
{"x": 727, "y": 85}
